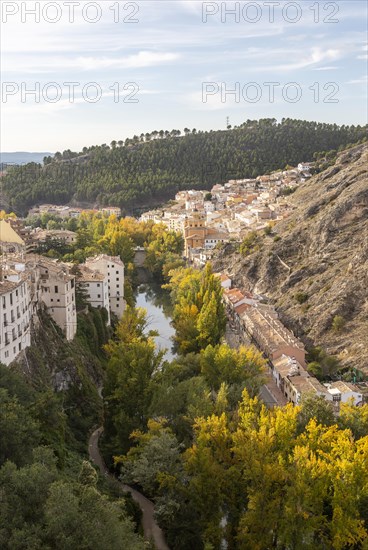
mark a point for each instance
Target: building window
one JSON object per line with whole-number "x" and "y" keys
{"x": 98, "y": 295}
{"x": 98, "y": 284}
{"x": 11, "y": 299}
{"x": 117, "y": 273}
{"x": 56, "y": 289}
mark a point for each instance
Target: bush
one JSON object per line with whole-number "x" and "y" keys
{"x": 338, "y": 323}
{"x": 301, "y": 297}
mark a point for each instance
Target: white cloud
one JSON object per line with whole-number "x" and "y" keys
{"x": 363, "y": 80}
{"x": 47, "y": 64}
{"x": 331, "y": 68}
{"x": 316, "y": 55}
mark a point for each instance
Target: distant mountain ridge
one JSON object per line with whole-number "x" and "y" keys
{"x": 22, "y": 157}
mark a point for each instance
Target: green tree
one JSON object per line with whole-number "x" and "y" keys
{"x": 127, "y": 391}
{"x": 316, "y": 407}
{"x": 19, "y": 432}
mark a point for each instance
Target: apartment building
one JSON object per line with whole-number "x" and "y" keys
{"x": 271, "y": 336}
{"x": 15, "y": 314}
{"x": 55, "y": 287}
{"x": 113, "y": 268}
{"x": 96, "y": 288}
{"x": 294, "y": 381}
{"x": 59, "y": 235}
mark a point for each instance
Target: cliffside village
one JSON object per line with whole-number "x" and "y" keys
{"x": 229, "y": 211}
{"x": 30, "y": 282}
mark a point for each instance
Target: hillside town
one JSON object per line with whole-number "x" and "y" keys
{"x": 30, "y": 282}
{"x": 229, "y": 211}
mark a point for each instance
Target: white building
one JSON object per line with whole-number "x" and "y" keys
{"x": 111, "y": 211}
{"x": 344, "y": 392}
{"x": 60, "y": 235}
{"x": 225, "y": 280}
{"x": 208, "y": 206}
{"x": 15, "y": 313}
{"x": 96, "y": 288}
{"x": 213, "y": 238}
{"x": 173, "y": 221}
{"x": 56, "y": 289}
{"x": 113, "y": 268}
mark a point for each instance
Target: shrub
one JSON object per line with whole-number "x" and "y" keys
{"x": 301, "y": 297}
{"x": 268, "y": 230}
{"x": 338, "y": 323}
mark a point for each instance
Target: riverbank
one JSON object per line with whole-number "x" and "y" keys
{"x": 157, "y": 303}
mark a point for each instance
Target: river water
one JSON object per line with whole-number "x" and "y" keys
{"x": 159, "y": 310}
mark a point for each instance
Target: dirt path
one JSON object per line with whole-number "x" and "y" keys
{"x": 151, "y": 530}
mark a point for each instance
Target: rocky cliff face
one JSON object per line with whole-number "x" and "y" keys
{"x": 317, "y": 268}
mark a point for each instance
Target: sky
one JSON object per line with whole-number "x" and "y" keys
{"x": 103, "y": 71}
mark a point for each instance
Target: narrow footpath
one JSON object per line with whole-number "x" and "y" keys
{"x": 150, "y": 528}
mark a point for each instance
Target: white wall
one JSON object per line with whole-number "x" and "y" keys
{"x": 98, "y": 294}
{"x": 14, "y": 327}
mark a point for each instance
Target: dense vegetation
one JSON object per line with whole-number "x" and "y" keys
{"x": 100, "y": 233}
{"x": 51, "y": 498}
{"x": 191, "y": 434}
{"x": 149, "y": 169}
{"x": 199, "y": 314}
{"x": 222, "y": 468}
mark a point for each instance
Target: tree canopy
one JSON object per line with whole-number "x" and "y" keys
{"x": 150, "y": 169}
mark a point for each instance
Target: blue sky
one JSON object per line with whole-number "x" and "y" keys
{"x": 314, "y": 68}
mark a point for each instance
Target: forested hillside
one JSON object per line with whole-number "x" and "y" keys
{"x": 150, "y": 168}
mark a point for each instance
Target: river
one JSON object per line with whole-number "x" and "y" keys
{"x": 159, "y": 310}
